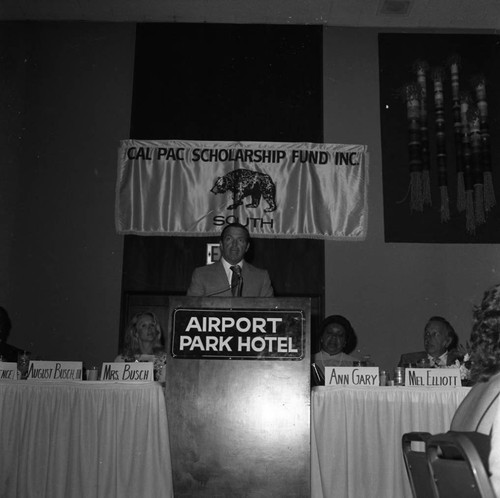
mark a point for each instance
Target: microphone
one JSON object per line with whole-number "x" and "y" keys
{"x": 236, "y": 282}
{"x": 220, "y": 291}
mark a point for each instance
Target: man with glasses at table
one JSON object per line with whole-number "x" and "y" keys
{"x": 440, "y": 343}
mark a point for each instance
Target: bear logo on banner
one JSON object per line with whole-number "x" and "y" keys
{"x": 243, "y": 183}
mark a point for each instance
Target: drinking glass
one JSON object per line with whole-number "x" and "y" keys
{"x": 23, "y": 363}
{"x": 92, "y": 373}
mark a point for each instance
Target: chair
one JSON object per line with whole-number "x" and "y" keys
{"x": 416, "y": 464}
{"x": 458, "y": 465}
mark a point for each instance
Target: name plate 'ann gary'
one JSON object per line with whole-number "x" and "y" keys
{"x": 351, "y": 376}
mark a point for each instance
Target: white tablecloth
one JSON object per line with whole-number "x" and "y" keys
{"x": 83, "y": 440}
{"x": 356, "y": 436}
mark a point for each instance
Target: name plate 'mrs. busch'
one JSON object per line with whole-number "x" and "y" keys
{"x": 8, "y": 370}
{"x": 433, "y": 377}
{"x": 55, "y": 370}
{"x": 351, "y": 376}
{"x": 141, "y": 371}
{"x": 250, "y": 334}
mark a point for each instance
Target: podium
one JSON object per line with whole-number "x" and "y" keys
{"x": 238, "y": 396}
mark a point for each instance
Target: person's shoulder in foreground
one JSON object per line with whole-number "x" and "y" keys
{"x": 477, "y": 411}
{"x": 212, "y": 280}
{"x": 494, "y": 456}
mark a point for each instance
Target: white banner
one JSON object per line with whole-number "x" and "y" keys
{"x": 175, "y": 187}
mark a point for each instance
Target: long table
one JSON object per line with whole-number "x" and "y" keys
{"x": 83, "y": 440}
{"x": 356, "y": 436}
{"x": 110, "y": 440}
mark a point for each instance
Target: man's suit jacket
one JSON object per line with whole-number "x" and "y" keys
{"x": 211, "y": 280}
{"x": 9, "y": 352}
{"x": 413, "y": 358}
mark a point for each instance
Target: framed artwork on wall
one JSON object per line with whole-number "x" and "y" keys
{"x": 439, "y": 108}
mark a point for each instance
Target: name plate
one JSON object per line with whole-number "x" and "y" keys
{"x": 8, "y": 370}
{"x": 55, "y": 370}
{"x": 137, "y": 371}
{"x": 433, "y": 377}
{"x": 351, "y": 376}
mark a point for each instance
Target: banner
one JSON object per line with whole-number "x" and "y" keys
{"x": 175, "y": 187}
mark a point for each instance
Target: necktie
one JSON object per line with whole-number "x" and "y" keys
{"x": 436, "y": 362}
{"x": 236, "y": 280}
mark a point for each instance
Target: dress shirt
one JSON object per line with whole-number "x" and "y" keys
{"x": 227, "y": 268}
{"x": 439, "y": 362}
{"x": 324, "y": 359}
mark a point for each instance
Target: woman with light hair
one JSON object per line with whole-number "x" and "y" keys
{"x": 144, "y": 342}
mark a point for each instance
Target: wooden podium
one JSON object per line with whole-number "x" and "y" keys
{"x": 238, "y": 396}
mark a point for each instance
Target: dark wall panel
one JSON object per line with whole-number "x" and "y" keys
{"x": 226, "y": 82}
{"x": 229, "y": 83}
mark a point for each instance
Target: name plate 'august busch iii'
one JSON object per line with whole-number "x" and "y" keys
{"x": 433, "y": 377}
{"x": 55, "y": 370}
{"x": 351, "y": 376}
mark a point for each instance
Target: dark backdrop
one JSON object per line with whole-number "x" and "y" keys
{"x": 226, "y": 82}
{"x": 231, "y": 83}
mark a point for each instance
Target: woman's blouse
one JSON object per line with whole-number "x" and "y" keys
{"x": 323, "y": 359}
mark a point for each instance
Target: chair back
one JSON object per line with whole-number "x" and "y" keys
{"x": 456, "y": 466}
{"x": 416, "y": 464}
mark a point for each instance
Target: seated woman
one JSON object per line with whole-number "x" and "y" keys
{"x": 144, "y": 342}
{"x": 337, "y": 340}
{"x": 477, "y": 410}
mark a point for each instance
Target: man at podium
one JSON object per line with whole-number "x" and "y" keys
{"x": 231, "y": 275}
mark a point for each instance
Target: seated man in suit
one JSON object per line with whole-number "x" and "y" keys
{"x": 440, "y": 343}
{"x": 232, "y": 275}
{"x": 7, "y": 351}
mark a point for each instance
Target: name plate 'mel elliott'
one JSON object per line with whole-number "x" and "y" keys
{"x": 351, "y": 376}
{"x": 433, "y": 377}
